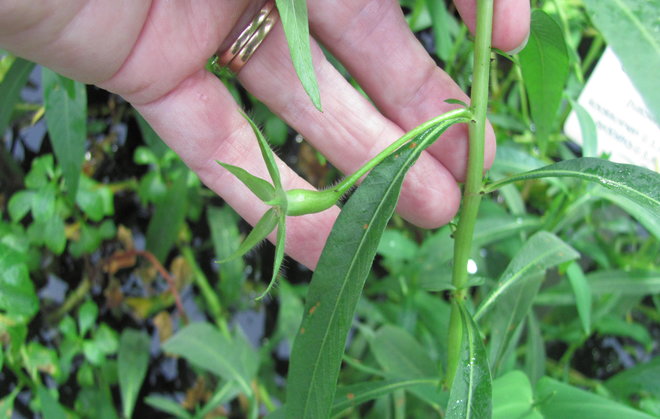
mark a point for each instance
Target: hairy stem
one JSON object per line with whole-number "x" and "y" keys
{"x": 472, "y": 189}
{"x": 458, "y": 114}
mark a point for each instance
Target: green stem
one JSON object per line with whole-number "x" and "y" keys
{"x": 211, "y": 299}
{"x": 472, "y": 189}
{"x": 458, "y": 114}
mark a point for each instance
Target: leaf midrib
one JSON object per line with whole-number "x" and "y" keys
{"x": 350, "y": 270}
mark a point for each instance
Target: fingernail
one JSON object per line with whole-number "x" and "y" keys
{"x": 519, "y": 47}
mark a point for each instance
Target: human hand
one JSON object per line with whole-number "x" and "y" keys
{"x": 153, "y": 54}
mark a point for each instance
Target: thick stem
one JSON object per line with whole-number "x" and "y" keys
{"x": 472, "y": 189}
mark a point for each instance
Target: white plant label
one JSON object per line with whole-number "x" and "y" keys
{"x": 625, "y": 127}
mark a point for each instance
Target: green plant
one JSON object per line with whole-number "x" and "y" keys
{"x": 552, "y": 258}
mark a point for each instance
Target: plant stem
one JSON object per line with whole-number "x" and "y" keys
{"x": 209, "y": 295}
{"x": 475, "y": 168}
{"x": 459, "y": 115}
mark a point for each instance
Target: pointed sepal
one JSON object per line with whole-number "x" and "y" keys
{"x": 261, "y": 188}
{"x": 262, "y": 229}
{"x": 279, "y": 253}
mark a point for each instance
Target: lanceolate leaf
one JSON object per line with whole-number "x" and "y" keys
{"x": 204, "y": 346}
{"x": 471, "y": 392}
{"x": 354, "y": 395}
{"x": 582, "y": 293}
{"x": 559, "y": 400}
{"x": 636, "y": 183}
{"x": 132, "y": 362}
{"x": 296, "y": 29}
{"x": 542, "y": 251}
{"x": 631, "y": 29}
{"x": 10, "y": 89}
{"x": 167, "y": 219}
{"x": 338, "y": 281}
{"x": 257, "y": 185}
{"x": 262, "y": 229}
{"x": 544, "y": 64}
{"x": 66, "y": 114}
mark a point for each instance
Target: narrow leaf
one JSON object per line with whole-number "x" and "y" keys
{"x": 631, "y": 29}
{"x": 226, "y": 239}
{"x": 471, "y": 391}
{"x": 559, "y": 400}
{"x": 296, "y": 29}
{"x": 266, "y": 153}
{"x": 338, "y": 281}
{"x": 10, "y": 89}
{"x": 535, "y": 356}
{"x": 642, "y": 378}
{"x": 168, "y": 217}
{"x": 355, "y": 395}
{"x": 66, "y": 114}
{"x": 401, "y": 355}
{"x": 625, "y": 283}
{"x": 262, "y": 229}
{"x": 542, "y": 251}
{"x": 132, "y": 362}
{"x": 544, "y": 64}
{"x": 582, "y": 293}
{"x": 279, "y": 253}
{"x": 204, "y": 346}
{"x": 168, "y": 406}
{"x": 636, "y": 183}
{"x": 513, "y": 397}
{"x": 262, "y": 189}
{"x": 589, "y": 132}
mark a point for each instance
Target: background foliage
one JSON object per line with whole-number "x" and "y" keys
{"x": 111, "y": 304}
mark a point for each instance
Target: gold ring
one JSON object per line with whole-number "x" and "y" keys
{"x": 252, "y": 36}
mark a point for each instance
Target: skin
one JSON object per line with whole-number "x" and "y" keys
{"x": 153, "y": 53}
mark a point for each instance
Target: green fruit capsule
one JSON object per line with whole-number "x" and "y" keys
{"x": 304, "y": 201}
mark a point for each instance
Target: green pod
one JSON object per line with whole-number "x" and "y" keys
{"x": 305, "y": 201}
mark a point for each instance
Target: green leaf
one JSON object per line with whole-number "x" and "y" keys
{"x": 616, "y": 326}
{"x": 443, "y": 41}
{"x": 132, "y": 363}
{"x": 513, "y": 397}
{"x": 264, "y": 226}
{"x": 558, "y": 400}
{"x": 401, "y": 355}
{"x": 279, "y": 253}
{"x": 644, "y": 215}
{"x": 50, "y": 408}
{"x": 7, "y": 402}
{"x": 87, "y": 315}
{"x": 296, "y": 29}
{"x": 168, "y": 217}
{"x": 202, "y": 345}
{"x": 582, "y": 293}
{"x": 624, "y": 283}
{"x": 17, "y": 296}
{"x": 267, "y": 154}
{"x": 471, "y": 391}
{"x": 54, "y": 235}
{"x": 95, "y": 199}
{"x": 354, "y": 395}
{"x": 397, "y": 246}
{"x": 491, "y": 229}
{"x": 66, "y": 114}
{"x": 338, "y": 281}
{"x": 168, "y": 406}
{"x": 262, "y": 189}
{"x": 153, "y": 141}
{"x": 19, "y": 204}
{"x": 44, "y": 203}
{"x": 535, "y": 357}
{"x": 544, "y": 64}
{"x": 642, "y": 378}
{"x": 639, "y": 184}
{"x": 10, "y": 90}
{"x": 630, "y": 27}
{"x": 541, "y": 252}
{"x": 588, "y": 128}
{"x": 226, "y": 239}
